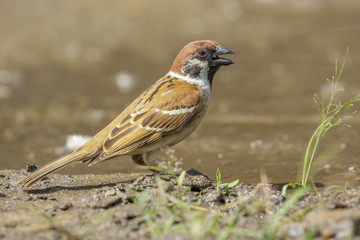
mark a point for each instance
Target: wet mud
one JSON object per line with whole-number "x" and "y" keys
{"x": 70, "y": 68}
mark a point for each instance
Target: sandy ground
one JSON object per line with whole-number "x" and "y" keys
{"x": 111, "y": 207}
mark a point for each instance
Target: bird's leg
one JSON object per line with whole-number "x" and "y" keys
{"x": 138, "y": 159}
{"x": 151, "y": 159}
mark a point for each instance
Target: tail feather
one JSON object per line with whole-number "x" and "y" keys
{"x": 85, "y": 153}
{"x": 53, "y": 166}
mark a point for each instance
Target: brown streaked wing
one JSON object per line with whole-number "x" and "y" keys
{"x": 169, "y": 105}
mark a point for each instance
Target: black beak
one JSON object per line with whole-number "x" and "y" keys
{"x": 222, "y": 61}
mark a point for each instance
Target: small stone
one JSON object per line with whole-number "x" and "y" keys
{"x": 31, "y": 167}
{"x": 110, "y": 192}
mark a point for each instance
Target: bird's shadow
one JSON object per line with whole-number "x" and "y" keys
{"x": 54, "y": 189}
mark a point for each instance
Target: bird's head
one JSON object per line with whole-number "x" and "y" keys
{"x": 200, "y": 59}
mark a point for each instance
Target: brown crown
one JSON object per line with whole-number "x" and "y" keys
{"x": 189, "y": 50}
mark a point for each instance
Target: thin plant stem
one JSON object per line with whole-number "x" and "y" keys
{"x": 330, "y": 114}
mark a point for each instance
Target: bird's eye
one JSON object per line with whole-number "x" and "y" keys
{"x": 201, "y": 53}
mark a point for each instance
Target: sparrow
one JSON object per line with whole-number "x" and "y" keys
{"x": 163, "y": 115}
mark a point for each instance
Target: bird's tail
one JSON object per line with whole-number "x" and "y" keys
{"x": 61, "y": 162}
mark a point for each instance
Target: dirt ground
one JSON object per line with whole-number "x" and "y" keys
{"x": 113, "y": 206}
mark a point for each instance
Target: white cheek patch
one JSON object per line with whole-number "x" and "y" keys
{"x": 196, "y": 63}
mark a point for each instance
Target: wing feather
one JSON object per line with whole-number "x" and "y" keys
{"x": 166, "y": 107}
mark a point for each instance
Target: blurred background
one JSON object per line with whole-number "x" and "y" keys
{"x": 70, "y": 67}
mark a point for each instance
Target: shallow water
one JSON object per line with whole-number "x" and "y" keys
{"x": 70, "y": 68}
